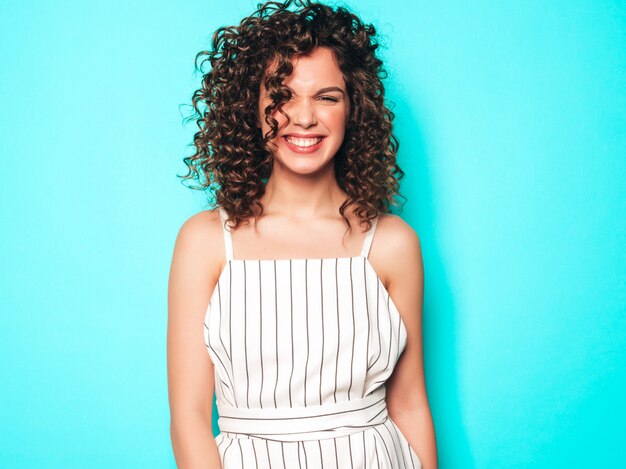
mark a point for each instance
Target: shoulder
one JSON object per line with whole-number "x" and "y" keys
{"x": 201, "y": 226}
{"x": 397, "y": 236}
{"x": 396, "y": 248}
{"x": 199, "y": 241}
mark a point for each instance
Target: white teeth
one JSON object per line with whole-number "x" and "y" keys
{"x": 303, "y": 142}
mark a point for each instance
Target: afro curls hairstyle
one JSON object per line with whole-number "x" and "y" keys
{"x": 232, "y": 158}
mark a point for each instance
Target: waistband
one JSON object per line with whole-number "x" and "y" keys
{"x": 306, "y": 423}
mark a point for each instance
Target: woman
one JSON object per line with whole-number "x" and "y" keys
{"x": 312, "y": 334}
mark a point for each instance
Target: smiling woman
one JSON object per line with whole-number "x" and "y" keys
{"x": 250, "y": 86}
{"x": 317, "y": 100}
{"x": 314, "y": 352}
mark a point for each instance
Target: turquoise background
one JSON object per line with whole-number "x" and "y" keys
{"x": 512, "y": 123}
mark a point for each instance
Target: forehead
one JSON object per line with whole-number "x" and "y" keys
{"x": 319, "y": 68}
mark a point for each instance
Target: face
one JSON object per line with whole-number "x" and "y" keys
{"x": 318, "y": 113}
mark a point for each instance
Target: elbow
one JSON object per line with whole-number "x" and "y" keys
{"x": 193, "y": 442}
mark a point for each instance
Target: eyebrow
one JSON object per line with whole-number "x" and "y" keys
{"x": 324, "y": 90}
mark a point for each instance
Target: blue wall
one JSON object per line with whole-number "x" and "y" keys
{"x": 512, "y": 123}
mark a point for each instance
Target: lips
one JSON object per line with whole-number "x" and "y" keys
{"x": 307, "y": 144}
{"x": 303, "y": 142}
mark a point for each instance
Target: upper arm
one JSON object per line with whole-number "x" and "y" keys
{"x": 403, "y": 266}
{"x": 193, "y": 274}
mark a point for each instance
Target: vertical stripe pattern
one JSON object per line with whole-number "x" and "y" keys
{"x": 295, "y": 333}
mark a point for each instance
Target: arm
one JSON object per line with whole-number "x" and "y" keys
{"x": 190, "y": 371}
{"x": 407, "y": 401}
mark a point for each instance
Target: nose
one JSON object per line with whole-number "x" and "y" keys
{"x": 303, "y": 114}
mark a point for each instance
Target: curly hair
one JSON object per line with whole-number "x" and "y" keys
{"x": 231, "y": 156}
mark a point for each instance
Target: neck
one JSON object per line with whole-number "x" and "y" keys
{"x": 303, "y": 197}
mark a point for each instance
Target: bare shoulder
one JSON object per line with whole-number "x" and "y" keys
{"x": 199, "y": 242}
{"x": 396, "y": 249}
{"x": 396, "y": 237}
{"x": 204, "y": 224}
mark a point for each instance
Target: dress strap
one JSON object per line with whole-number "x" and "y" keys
{"x": 228, "y": 239}
{"x": 369, "y": 236}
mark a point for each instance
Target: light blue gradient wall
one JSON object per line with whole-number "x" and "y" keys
{"x": 512, "y": 123}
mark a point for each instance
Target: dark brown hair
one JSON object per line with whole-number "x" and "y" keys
{"x": 232, "y": 157}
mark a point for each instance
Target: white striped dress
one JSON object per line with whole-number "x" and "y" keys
{"x": 301, "y": 350}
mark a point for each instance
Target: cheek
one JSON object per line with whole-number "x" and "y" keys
{"x": 336, "y": 121}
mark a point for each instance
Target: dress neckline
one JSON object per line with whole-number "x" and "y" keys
{"x": 301, "y": 259}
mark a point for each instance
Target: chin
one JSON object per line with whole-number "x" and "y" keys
{"x": 300, "y": 165}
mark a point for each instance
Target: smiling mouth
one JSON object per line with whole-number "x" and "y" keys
{"x": 303, "y": 142}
